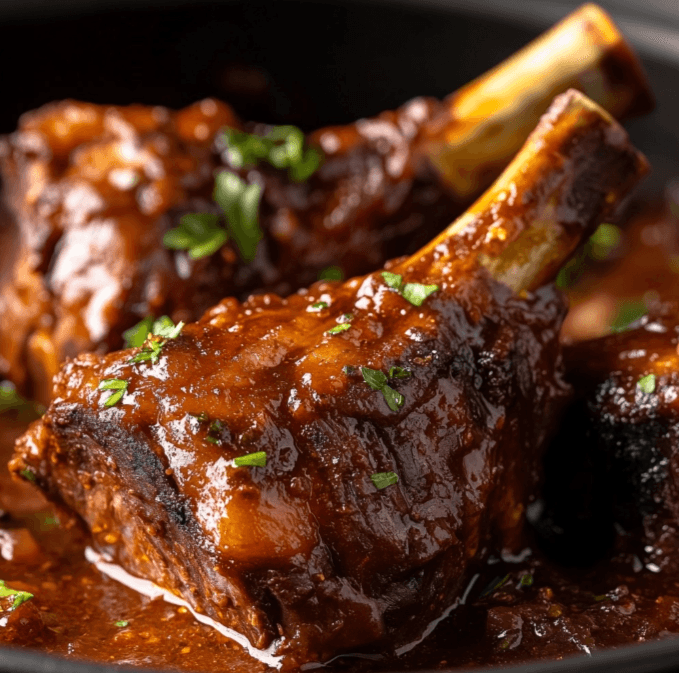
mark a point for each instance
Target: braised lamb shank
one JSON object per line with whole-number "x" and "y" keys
{"x": 91, "y": 190}
{"x": 324, "y": 472}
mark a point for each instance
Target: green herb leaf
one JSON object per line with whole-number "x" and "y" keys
{"x": 377, "y": 380}
{"x": 393, "y": 280}
{"x": 331, "y": 273}
{"x": 397, "y": 372}
{"x": 121, "y": 624}
{"x": 415, "y": 293}
{"x": 19, "y": 596}
{"x": 282, "y": 147}
{"x": 339, "y": 328}
{"x": 240, "y": 203}
{"x": 199, "y": 233}
{"x": 628, "y": 312}
{"x": 384, "y": 479}
{"x": 647, "y": 384}
{"x": 319, "y": 305}
{"x": 28, "y": 475}
{"x": 136, "y": 335}
{"x": 604, "y": 240}
{"x": 374, "y": 378}
{"x": 119, "y": 385}
{"x": 393, "y": 398}
{"x": 257, "y": 459}
{"x": 526, "y": 581}
{"x": 164, "y": 327}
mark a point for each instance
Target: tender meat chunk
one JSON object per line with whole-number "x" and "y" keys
{"x": 91, "y": 190}
{"x": 306, "y": 552}
{"x": 628, "y": 419}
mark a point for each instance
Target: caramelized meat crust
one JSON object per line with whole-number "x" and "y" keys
{"x": 305, "y": 552}
{"x": 91, "y": 190}
{"x": 628, "y": 418}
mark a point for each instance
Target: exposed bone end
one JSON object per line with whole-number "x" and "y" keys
{"x": 569, "y": 176}
{"x": 486, "y": 121}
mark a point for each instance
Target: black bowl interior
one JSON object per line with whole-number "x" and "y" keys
{"x": 306, "y": 63}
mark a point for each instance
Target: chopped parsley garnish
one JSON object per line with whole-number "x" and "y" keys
{"x": 118, "y": 385}
{"x": 122, "y": 623}
{"x": 397, "y": 372}
{"x": 19, "y": 596}
{"x": 10, "y": 400}
{"x": 628, "y": 312}
{"x": 320, "y": 305}
{"x": 199, "y": 233}
{"x": 344, "y": 324}
{"x": 331, "y": 273}
{"x": 163, "y": 327}
{"x": 384, "y": 479}
{"x": 202, "y": 234}
{"x": 526, "y": 581}
{"x": 415, "y": 293}
{"x": 27, "y": 474}
{"x": 339, "y": 328}
{"x": 377, "y": 380}
{"x": 282, "y": 147}
{"x": 162, "y": 330}
{"x": 599, "y": 247}
{"x": 257, "y": 459}
{"x": 647, "y": 383}
{"x": 240, "y": 203}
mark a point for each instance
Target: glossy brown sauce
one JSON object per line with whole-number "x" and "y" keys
{"x": 516, "y": 609}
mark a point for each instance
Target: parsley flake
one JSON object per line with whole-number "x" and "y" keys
{"x": 526, "y": 581}
{"x": 158, "y": 335}
{"x": 331, "y": 273}
{"x": 377, "y": 380}
{"x": 122, "y": 623}
{"x": 384, "y": 479}
{"x": 199, "y": 233}
{"x": 282, "y": 147}
{"x": 240, "y": 203}
{"x": 337, "y": 329}
{"x": 647, "y": 384}
{"x": 28, "y": 475}
{"x": 320, "y": 305}
{"x": 257, "y": 459}
{"x": 118, "y": 385}
{"x": 415, "y": 293}
{"x": 397, "y": 372}
{"x": 628, "y": 312}
{"x": 19, "y": 596}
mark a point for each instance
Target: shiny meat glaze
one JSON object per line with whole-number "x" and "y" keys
{"x": 305, "y": 552}
{"x": 632, "y": 435}
{"x": 90, "y": 191}
{"x": 93, "y": 189}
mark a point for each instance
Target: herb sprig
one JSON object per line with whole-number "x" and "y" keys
{"x": 415, "y": 293}
{"x": 647, "y": 384}
{"x": 118, "y": 385}
{"x": 155, "y": 338}
{"x": 257, "y": 459}
{"x": 19, "y": 596}
{"x": 282, "y": 147}
{"x": 383, "y": 479}
{"x": 378, "y": 380}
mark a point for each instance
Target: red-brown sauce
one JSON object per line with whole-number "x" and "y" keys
{"x": 516, "y": 609}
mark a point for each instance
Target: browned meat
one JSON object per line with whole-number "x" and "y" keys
{"x": 449, "y": 400}
{"x": 91, "y": 190}
{"x": 627, "y": 423}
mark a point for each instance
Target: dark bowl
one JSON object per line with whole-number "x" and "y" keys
{"x": 313, "y": 64}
